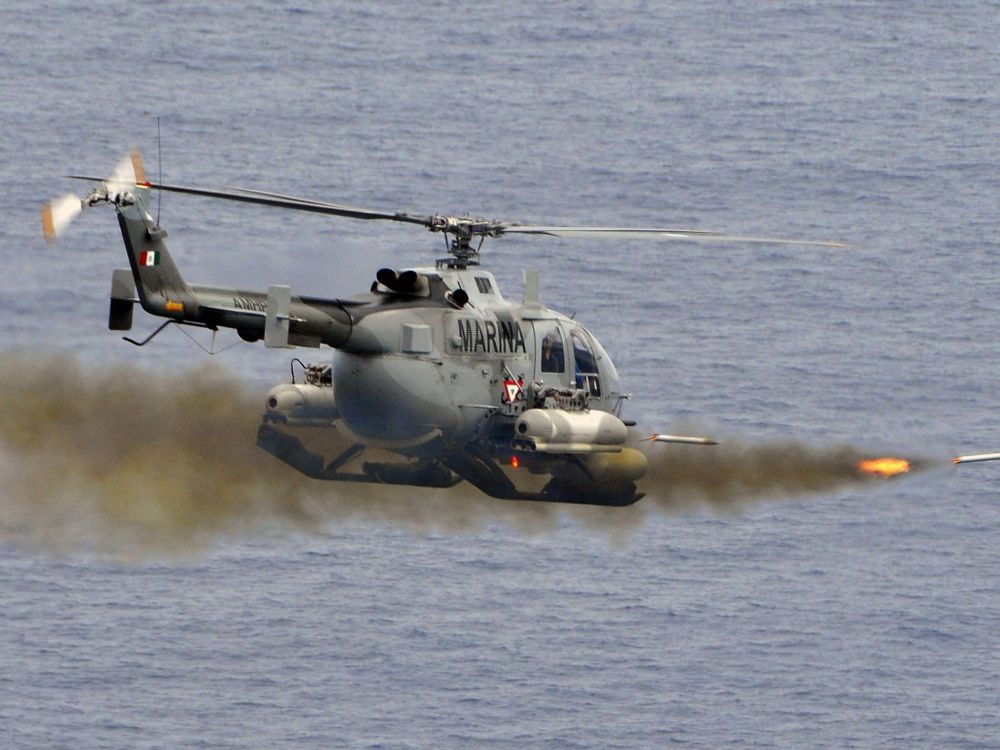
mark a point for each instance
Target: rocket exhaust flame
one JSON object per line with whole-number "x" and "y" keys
{"x": 886, "y": 467}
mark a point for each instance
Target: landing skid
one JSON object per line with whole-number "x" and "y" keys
{"x": 480, "y": 470}
{"x": 293, "y": 452}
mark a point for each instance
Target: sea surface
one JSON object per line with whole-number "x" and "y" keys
{"x": 859, "y": 616}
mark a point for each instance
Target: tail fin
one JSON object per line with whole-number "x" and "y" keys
{"x": 160, "y": 286}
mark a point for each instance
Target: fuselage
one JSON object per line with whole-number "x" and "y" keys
{"x": 415, "y": 368}
{"x": 427, "y": 353}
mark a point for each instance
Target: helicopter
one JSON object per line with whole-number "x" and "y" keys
{"x": 435, "y": 378}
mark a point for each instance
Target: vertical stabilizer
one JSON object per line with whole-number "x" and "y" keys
{"x": 161, "y": 289}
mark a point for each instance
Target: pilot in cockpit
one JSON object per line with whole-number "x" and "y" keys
{"x": 553, "y": 359}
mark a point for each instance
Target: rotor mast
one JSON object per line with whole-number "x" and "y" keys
{"x": 463, "y": 230}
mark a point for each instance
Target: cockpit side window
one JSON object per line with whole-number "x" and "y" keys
{"x": 587, "y": 376}
{"x": 553, "y": 351}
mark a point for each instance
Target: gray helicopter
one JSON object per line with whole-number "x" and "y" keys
{"x": 435, "y": 378}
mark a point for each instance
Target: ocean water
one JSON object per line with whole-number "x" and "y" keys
{"x": 860, "y": 616}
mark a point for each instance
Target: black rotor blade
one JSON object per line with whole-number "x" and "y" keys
{"x": 337, "y": 209}
{"x": 262, "y": 198}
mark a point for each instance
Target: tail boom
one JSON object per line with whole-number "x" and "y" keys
{"x": 162, "y": 291}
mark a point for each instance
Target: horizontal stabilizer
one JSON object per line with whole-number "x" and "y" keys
{"x": 234, "y": 310}
{"x": 277, "y": 323}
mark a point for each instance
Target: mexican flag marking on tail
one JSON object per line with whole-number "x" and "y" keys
{"x": 149, "y": 258}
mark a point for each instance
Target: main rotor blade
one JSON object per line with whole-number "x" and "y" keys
{"x": 697, "y": 235}
{"x": 464, "y": 226}
{"x": 338, "y": 209}
{"x": 262, "y": 198}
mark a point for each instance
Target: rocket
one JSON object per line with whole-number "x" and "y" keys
{"x": 976, "y": 458}
{"x": 659, "y": 438}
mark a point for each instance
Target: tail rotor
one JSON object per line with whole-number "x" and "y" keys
{"x": 59, "y": 213}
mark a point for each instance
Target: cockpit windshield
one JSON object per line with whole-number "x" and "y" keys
{"x": 553, "y": 351}
{"x": 587, "y": 375}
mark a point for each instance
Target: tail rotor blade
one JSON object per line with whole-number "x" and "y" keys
{"x": 122, "y": 178}
{"x": 138, "y": 169}
{"x": 57, "y": 214}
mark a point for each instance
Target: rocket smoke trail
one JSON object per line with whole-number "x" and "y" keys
{"x": 124, "y": 462}
{"x": 739, "y": 471}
